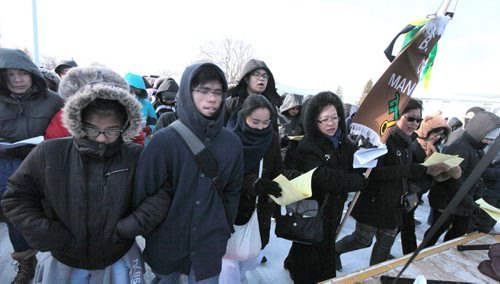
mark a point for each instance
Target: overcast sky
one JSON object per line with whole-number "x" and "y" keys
{"x": 314, "y": 45}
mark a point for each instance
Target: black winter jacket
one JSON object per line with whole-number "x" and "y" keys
{"x": 380, "y": 204}
{"x": 65, "y": 200}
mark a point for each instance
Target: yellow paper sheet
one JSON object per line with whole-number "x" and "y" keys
{"x": 437, "y": 158}
{"x": 296, "y": 138}
{"x": 294, "y": 190}
{"x": 492, "y": 211}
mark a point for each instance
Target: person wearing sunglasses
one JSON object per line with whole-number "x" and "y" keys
{"x": 432, "y": 131}
{"x": 71, "y": 198}
{"x": 380, "y": 207}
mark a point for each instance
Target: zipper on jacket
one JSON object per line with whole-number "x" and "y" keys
{"x": 106, "y": 175}
{"x": 115, "y": 172}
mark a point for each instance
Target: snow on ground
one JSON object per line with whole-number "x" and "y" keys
{"x": 275, "y": 252}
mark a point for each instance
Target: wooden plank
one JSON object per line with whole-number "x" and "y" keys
{"x": 440, "y": 262}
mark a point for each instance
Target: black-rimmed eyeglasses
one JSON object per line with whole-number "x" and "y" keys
{"x": 109, "y": 133}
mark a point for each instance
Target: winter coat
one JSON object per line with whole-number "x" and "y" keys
{"x": 491, "y": 178}
{"x": 429, "y": 124}
{"x": 22, "y": 116}
{"x": 25, "y": 116}
{"x": 73, "y": 196}
{"x": 196, "y": 230}
{"x": 56, "y": 129}
{"x": 239, "y": 93}
{"x": 380, "y": 204}
{"x": 167, "y": 90}
{"x": 470, "y": 148}
{"x": 165, "y": 120}
{"x": 334, "y": 175}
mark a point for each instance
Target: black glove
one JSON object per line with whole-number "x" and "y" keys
{"x": 265, "y": 186}
{"x": 355, "y": 182}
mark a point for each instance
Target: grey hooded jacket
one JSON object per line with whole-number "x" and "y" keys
{"x": 239, "y": 93}
{"x": 24, "y": 116}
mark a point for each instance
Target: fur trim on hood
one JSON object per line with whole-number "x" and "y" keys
{"x": 315, "y": 106}
{"x": 432, "y": 122}
{"x": 90, "y": 83}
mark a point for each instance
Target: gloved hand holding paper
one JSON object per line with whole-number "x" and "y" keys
{"x": 294, "y": 190}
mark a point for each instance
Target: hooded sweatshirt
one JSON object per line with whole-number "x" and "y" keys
{"x": 470, "y": 148}
{"x": 167, "y": 90}
{"x": 430, "y": 123}
{"x": 290, "y": 125}
{"x": 27, "y": 115}
{"x": 239, "y": 93}
{"x": 196, "y": 230}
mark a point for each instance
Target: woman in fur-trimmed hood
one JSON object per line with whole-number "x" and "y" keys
{"x": 325, "y": 146}
{"x": 86, "y": 219}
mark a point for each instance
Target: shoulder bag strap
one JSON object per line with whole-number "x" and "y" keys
{"x": 196, "y": 147}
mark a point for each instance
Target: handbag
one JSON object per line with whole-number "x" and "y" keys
{"x": 409, "y": 200}
{"x": 245, "y": 242}
{"x": 302, "y": 223}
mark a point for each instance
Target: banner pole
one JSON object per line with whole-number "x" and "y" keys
{"x": 351, "y": 206}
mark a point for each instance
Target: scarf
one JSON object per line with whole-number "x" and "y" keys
{"x": 98, "y": 150}
{"x": 255, "y": 142}
{"x": 335, "y": 139}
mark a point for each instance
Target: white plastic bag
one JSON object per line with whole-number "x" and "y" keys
{"x": 245, "y": 242}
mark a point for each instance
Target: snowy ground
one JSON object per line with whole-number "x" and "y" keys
{"x": 276, "y": 251}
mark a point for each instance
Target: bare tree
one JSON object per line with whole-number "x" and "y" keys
{"x": 340, "y": 92}
{"x": 48, "y": 62}
{"x": 367, "y": 88}
{"x": 230, "y": 54}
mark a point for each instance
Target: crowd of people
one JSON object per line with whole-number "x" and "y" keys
{"x": 116, "y": 164}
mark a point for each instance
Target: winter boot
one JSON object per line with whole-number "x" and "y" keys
{"x": 26, "y": 264}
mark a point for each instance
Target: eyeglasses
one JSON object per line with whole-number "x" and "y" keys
{"x": 413, "y": 119}
{"x": 109, "y": 133}
{"x": 333, "y": 119}
{"x": 206, "y": 91}
{"x": 263, "y": 76}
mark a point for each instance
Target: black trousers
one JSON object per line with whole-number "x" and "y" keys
{"x": 455, "y": 226}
